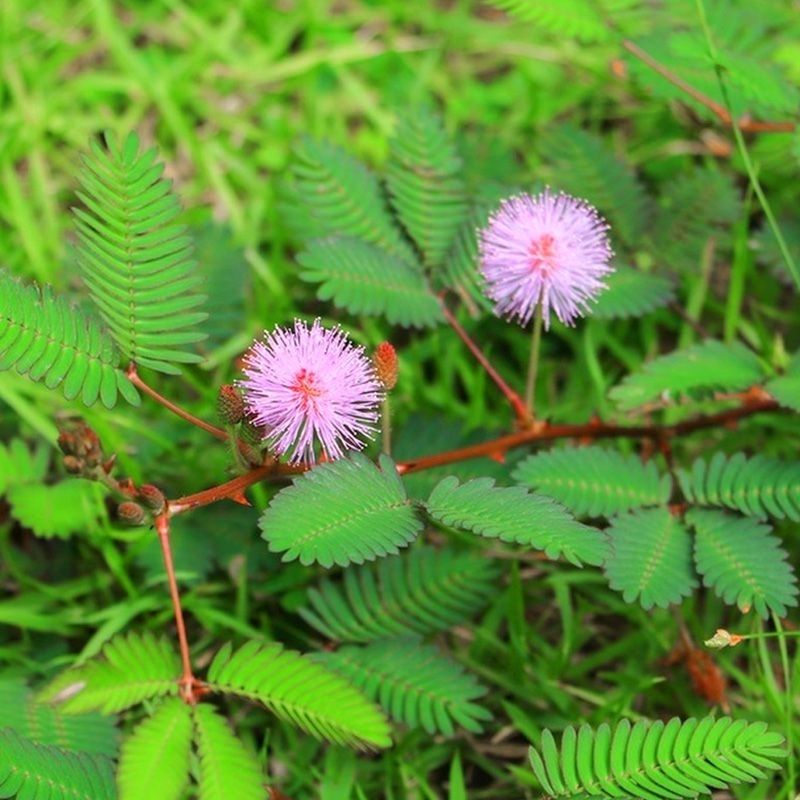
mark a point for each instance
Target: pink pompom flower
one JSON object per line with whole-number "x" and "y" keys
{"x": 548, "y": 249}
{"x": 307, "y": 385}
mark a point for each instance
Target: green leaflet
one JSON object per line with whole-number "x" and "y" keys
{"x": 334, "y": 194}
{"x": 757, "y": 486}
{"x": 743, "y": 562}
{"x": 654, "y": 760}
{"x": 47, "y": 339}
{"x": 227, "y": 768}
{"x": 417, "y": 592}
{"x": 594, "y": 481}
{"x": 19, "y": 465}
{"x": 786, "y": 388}
{"x": 425, "y": 182}
{"x": 585, "y": 166}
{"x": 364, "y": 279}
{"x": 702, "y": 367}
{"x": 43, "y": 724}
{"x": 347, "y": 511}
{"x": 650, "y": 558}
{"x": 301, "y": 691}
{"x": 632, "y": 293}
{"x": 135, "y": 259}
{"x": 157, "y": 754}
{"x": 31, "y": 770}
{"x": 131, "y": 668}
{"x": 413, "y": 683}
{"x": 514, "y": 515}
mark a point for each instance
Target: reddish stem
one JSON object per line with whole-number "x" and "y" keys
{"x": 135, "y": 379}
{"x": 188, "y": 683}
{"x": 516, "y": 401}
{"x": 744, "y": 124}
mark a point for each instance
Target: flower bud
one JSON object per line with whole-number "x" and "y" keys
{"x": 73, "y": 465}
{"x": 251, "y": 433}
{"x": 152, "y": 497}
{"x": 66, "y": 442}
{"x": 230, "y": 405}
{"x": 131, "y": 513}
{"x": 384, "y": 360}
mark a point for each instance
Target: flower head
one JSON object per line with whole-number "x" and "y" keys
{"x": 305, "y": 384}
{"x": 548, "y": 249}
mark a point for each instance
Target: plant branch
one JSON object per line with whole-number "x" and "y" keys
{"x": 136, "y": 380}
{"x": 188, "y": 683}
{"x": 513, "y": 398}
{"x": 719, "y": 110}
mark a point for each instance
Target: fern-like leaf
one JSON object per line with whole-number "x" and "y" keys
{"x": 693, "y": 206}
{"x": 514, "y": 515}
{"x": 594, "y": 481}
{"x": 413, "y": 683}
{"x": 47, "y": 339}
{"x": 651, "y": 558}
{"x": 426, "y": 186}
{"x": 131, "y": 668}
{"x": 227, "y": 768}
{"x": 415, "y": 593}
{"x": 632, "y": 293}
{"x": 585, "y": 166}
{"x": 135, "y": 259}
{"x": 700, "y": 368}
{"x": 347, "y": 511}
{"x": 364, "y": 279}
{"x": 157, "y": 754}
{"x": 29, "y": 770}
{"x": 20, "y": 465}
{"x": 757, "y": 487}
{"x": 743, "y": 562}
{"x": 43, "y": 724}
{"x": 61, "y": 509}
{"x": 301, "y": 691}
{"x": 334, "y": 194}
{"x": 654, "y": 760}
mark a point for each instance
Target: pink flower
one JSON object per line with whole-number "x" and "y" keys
{"x": 548, "y": 249}
{"x": 306, "y": 384}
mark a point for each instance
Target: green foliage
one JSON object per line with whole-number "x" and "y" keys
{"x": 786, "y": 388}
{"x": 654, "y": 760}
{"x": 424, "y": 175}
{"x": 346, "y": 511}
{"x": 743, "y": 562}
{"x": 413, "y": 683}
{"x": 74, "y": 506}
{"x": 593, "y": 481}
{"x": 333, "y": 194}
{"x": 91, "y": 733}
{"x": 514, "y": 515}
{"x": 157, "y": 754}
{"x": 693, "y": 208}
{"x": 300, "y": 691}
{"x": 364, "y": 279}
{"x": 45, "y": 338}
{"x": 419, "y": 592}
{"x": 651, "y": 558}
{"x": 135, "y": 259}
{"x": 632, "y": 293}
{"x": 20, "y": 465}
{"x": 699, "y": 368}
{"x": 585, "y": 166}
{"x": 29, "y": 770}
{"x": 757, "y": 486}
{"x": 130, "y": 669}
{"x": 227, "y": 768}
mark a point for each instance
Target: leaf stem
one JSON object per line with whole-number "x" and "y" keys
{"x": 789, "y": 701}
{"x": 386, "y": 424}
{"x": 533, "y": 361}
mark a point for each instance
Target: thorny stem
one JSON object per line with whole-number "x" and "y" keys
{"x": 753, "y": 401}
{"x": 517, "y": 404}
{"x": 188, "y": 683}
{"x": 533, "y": 363}
{"x": 722, "y": 113}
